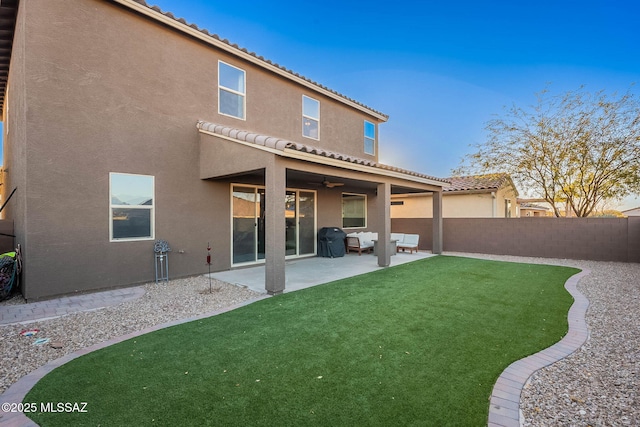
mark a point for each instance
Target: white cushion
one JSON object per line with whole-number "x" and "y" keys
{"x": 397, "y": 236}
{"x": 411, "y": 240}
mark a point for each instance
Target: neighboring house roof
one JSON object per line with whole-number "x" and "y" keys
{"x": 271, "y": 143}
{"x": 632, "y": 212}
{"x": 475, "y": 183}
{"x": 211, "y": 38}
{"x": 532, "y": 206}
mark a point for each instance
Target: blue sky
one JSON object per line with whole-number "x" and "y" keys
{"x": 439, "y": 69}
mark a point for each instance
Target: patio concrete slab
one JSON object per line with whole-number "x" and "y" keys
{"x": 303, "y": 273}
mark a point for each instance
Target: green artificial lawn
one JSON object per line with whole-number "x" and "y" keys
{"x": 417, "y": 344}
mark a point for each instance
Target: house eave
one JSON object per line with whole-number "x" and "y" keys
{"x": 283, "y": 148}
{"x": 245, "y": 55}
{"x": 294, "y": 154}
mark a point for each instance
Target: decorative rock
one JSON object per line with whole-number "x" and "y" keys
{"x": 590, "y": 374}
{"x": 609, "y": 356}
{"x": 179, "y": 299}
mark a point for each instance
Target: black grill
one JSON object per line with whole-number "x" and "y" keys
{"x": 331, "y": 242}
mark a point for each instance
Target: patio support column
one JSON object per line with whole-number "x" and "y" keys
{"x": 383, "y": 207}
{"x": 275, "y": 188}
{"x": 437, "y": 222}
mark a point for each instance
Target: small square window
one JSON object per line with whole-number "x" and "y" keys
{"x": 369, "y": 138}
{"x": 310, "y": 117}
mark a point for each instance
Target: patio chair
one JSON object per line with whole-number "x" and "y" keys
{"x": 410, "y": 241}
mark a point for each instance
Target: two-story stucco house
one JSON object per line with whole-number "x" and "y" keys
{"x": 124, "y": 125}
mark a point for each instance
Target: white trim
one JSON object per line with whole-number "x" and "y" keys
{"x": 315, "y": 222}
{"x": 233, "y": 91}
{"x": 306, "y": 116}
{"x": 375, "y": 132}
{"x": 151, "y": 207}
{"x": 256, "y": 215}
{"x": 144, "y": 10}
{"x": 366, "y": 210}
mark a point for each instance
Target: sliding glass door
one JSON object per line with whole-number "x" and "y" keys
{"x": 306, "y": 222}
{"x": 248, "y": 223}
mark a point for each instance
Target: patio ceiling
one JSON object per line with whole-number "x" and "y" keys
{"x": 226, "y": 152}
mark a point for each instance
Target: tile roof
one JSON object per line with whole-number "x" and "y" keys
{"x": 265, "y": 62}
{"x": 532, "y": 206}
{"x": 493, "y": 181}
{"x": 282, "y": 144}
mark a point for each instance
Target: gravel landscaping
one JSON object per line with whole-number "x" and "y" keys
{"x": 162, "y": 303}
{"x": 599, "y": 384}
{"x": 595, "y": 386}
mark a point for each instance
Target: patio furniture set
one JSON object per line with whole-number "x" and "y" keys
{"x": 367, "y": 242}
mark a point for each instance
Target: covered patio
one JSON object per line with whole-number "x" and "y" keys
{"x": 271, "y": 168}
{"x": 304, "y": 273}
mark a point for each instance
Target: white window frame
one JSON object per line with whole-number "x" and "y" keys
{"x": 309, "y": 117}
{"x": 151, "y": 207}
{"x": 366, "y": 138}
{"x": 243, "y": 95}
{"x": 366, "y": 214}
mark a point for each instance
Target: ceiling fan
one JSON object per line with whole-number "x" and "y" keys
{"x": 328, "y": 184}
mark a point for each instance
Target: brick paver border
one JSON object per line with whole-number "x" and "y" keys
{"x": 17, "y": 392}
{"x": 504, "y": 405}
{"x": 51, "y": 309}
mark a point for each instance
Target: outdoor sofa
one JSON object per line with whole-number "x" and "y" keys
{"x": 361, "y": 242}
{"x": 364, "y": 241}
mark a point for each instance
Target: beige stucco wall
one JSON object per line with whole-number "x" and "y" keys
{"x": 110, "y": 91}
{"x": 456, "y": 205}
{"x": 524, "y": 212}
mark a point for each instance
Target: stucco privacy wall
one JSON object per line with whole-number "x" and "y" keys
{"x": 108, "y": 90}
{"x": 600, "y": 239}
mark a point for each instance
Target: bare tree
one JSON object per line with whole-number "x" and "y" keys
{"x": 578, "y": 149}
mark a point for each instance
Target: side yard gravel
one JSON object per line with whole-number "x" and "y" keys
{"x": 162, "y": 303}
{"x": 595, "y": 386}
{"x": 598, "y": 385}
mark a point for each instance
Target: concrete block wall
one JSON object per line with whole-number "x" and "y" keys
{"x": 599, "y": 239}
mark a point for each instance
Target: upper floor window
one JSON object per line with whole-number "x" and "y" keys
{"x": 369, "y": 138}
{"x": 231, "y": 90}
{"x": 131, "y": 211}
{"x": 310, "y": 117}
